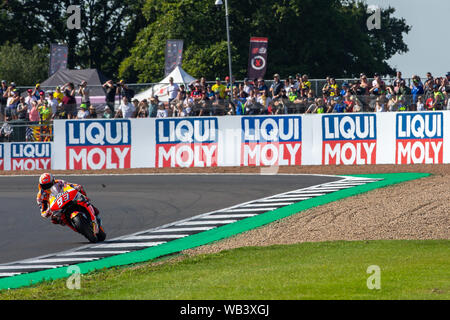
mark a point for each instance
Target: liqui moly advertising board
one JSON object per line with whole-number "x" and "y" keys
{"x": 186, "y": 142}
{"x": 31, "y": 156}
{"x": 419, "y": 138}
{"x": 349, "y": 139}
{"x": 271, "y": 141}
{"x": 98, "y": 144}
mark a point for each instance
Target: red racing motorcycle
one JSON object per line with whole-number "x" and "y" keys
{"x": 71, "y": 204}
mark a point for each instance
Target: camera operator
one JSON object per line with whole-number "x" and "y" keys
{"x": 110, "y": 89}
{"x": 124, "y": 91}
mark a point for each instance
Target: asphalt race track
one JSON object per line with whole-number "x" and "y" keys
{"x": 128, "y": 204}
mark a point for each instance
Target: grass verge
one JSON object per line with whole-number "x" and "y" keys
{"x": 409, "y": 269}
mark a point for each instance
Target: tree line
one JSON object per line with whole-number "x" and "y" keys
{"x": 126, "y": 38}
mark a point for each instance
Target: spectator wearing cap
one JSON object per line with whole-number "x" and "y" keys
{"x": 83, "y": 113}
{"x": 37, "y": 90}
{"x": 276, "y": 87}
{"x": 339, "y": 106}
{"x": 230, "y": 85}
{"x": 29, "y": 99}
{"x": 58, "y": 94}
{"x": 45, "y": 111}
{"x": 124, "y": 91}
{"x": 22, "y": 109}
{"x": 41, "y": 99}
{"x": 219, "y": 89}
{"x": 162, "y": 112}
{"x": 52, "y": 101}
{"x": 107, "y": 113}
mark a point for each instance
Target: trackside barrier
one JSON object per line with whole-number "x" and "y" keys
{"x": 317, "y": 139}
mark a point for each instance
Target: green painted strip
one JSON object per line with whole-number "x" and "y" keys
{"x": 210, "y": 235}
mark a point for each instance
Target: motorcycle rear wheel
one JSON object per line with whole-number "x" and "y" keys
{"x": 84, "y": 227}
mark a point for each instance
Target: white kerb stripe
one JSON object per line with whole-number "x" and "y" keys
{"x": 56, "y": 260}
{"x": 226, "y": 216}
{"x": 93, "y": 253}
{"x": 183, "y": 229}
{"x": 130, "y": 244}
{"x": 193, "y": 223}
{"x": 249, "y": 210}
{"x": 36, "y": 266}
{"x": 150, "y": 237}
{"x": 267, "y": 204}
{"x": 8, "y": 274}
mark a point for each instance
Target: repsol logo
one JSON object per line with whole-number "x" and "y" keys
{"x": 186, "y": 142}
{"x": 269, "y": 141}
{"x": 419, "y": 138}
{"x": 349, "y": 139}
{"x": 30, "y": 156}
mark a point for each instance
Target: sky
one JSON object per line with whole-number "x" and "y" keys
{"x": 429, "y": 39}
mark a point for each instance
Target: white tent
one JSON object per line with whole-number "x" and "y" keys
{"x": 179, "y": 77}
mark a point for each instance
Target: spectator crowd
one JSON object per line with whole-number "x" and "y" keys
{"x": 202, "y": 98}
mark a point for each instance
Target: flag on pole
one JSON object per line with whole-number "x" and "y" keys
{"x": 257, "y": 62}
{"x": 174, "y": 55}
{"x": 58, "y": 57}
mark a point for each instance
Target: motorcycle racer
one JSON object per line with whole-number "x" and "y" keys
{"x": 46, "y": 182}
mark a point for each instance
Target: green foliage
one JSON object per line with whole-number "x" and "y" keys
{"x": 108, "y": 29}
{"x": 410, "y": 269}
{"x": 24, "y": 67}
{"x": 127, "y": 38}
{"x": 318, "y": 37}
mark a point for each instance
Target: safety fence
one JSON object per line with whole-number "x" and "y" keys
{"x": 26, "y": 131}
{"x": 316, "y": 139}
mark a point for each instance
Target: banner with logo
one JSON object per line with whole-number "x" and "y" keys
{"x": 30, "y": 156}
{"x": 188, "y": 142}
{"x": 173, "y": 55}
{"x": 419, "y": 138}
{"x": 257, "y": 62}
{"x": 100, "y": 144}
{"x": 349, "y": 139}
{"x": 281, "y": 140}
{"x": 58, "y": 58}
{"x": 271, "y": 141}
